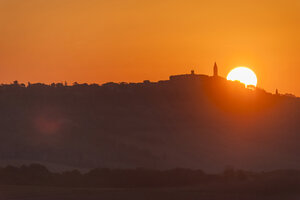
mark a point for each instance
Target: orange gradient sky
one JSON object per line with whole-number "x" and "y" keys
{"x": 132, "y": 40}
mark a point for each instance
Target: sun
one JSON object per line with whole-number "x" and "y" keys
{"x": 243, "y": 75}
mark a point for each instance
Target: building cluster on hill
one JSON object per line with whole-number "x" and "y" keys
{"x": 192, "y": 76}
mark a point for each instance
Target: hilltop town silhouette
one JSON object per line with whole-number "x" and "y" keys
{"x": 191, "y": 78}
{"x": 191, "y": 120}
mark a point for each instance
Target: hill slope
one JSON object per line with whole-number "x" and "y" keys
{"x": 207, "y": 123}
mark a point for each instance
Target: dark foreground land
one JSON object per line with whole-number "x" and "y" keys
{"x": 36, "y": 182}
{"x": 204, "y": 123}
{"x": 53, "y": 193}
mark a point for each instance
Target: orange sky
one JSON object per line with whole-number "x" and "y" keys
{"x": 132, "y": 40}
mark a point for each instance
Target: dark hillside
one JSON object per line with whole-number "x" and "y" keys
{"x": 206, "y": 123}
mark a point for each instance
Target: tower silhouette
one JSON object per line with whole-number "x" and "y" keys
{"x": 216, "y": 70}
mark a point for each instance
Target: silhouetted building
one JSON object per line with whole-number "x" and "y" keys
{"x": 185, "y": 77}
{"x": 194, "y": 76}
{"x": 216, "y": 73}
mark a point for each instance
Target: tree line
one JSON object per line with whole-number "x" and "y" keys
{"x": 37, "y": 174}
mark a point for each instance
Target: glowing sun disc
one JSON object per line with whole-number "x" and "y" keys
{"x": 243, "y": 75}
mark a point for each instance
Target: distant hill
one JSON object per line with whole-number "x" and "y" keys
{"x": 205, "y": 123}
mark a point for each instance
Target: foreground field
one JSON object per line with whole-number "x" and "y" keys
{"x": 52, "y": 193}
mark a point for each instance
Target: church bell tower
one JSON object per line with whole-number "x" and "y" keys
{"x": 216, "y": 70}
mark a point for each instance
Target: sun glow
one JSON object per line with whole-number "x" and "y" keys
{"x": 243, "y": 75}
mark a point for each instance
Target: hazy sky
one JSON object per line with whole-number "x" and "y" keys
{"x": 133, "y": 40}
